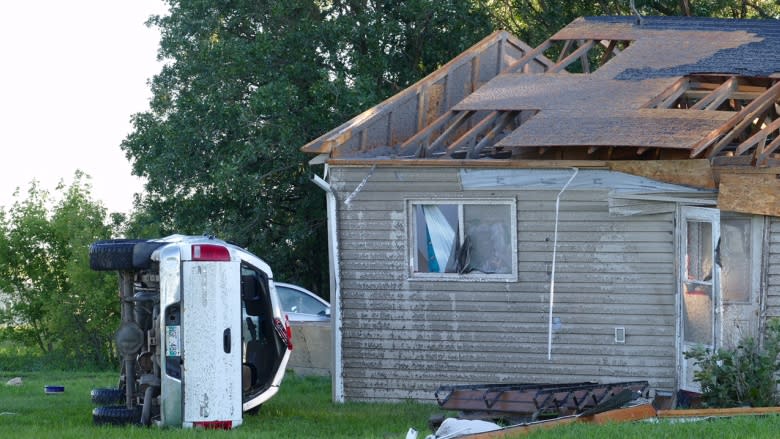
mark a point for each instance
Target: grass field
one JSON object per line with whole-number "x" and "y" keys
{"x": 302, "y": 409}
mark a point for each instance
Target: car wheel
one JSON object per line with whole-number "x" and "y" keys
{"x": 107, "y": 396}
{"x": 116, "y": 415}
{"x": 112, "y": 254}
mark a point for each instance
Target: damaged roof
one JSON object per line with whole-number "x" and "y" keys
{"x": 602, "y": 88}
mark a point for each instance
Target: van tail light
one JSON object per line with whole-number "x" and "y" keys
{"x": 214, "y": 425}
{"x": 284, "y": 331}
{"x": 210, "y": 252}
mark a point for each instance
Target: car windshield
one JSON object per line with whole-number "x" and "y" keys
{"x": 299, "y": 302}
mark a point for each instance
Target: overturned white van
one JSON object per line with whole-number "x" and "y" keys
{"x": 202, "y": 337}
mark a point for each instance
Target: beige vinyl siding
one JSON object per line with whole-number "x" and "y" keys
{"x": 403, "y": 338}
{"x": 773, "y": 269}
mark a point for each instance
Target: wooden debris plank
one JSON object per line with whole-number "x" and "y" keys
{"x": 696, "y": 172}
{"x": 735, "y": 411}
{"x": 627, "y": 414}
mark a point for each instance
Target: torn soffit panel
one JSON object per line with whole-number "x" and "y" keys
{"x": 555, "y": 179}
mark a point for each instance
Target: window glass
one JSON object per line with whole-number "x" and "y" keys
{"x": 735, "y": 255}
{"x": 697, "y": 297}
{"x": 299, "y": 302}
{"x": 463, "y": 238}
{"x": 437, "y": 237}
{"x": 488, "y": 238}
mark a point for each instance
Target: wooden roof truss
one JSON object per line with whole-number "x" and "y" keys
{"x": 504, "y": 99}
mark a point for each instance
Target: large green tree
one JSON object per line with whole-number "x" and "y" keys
{"x": 246, "y": 83}
{"x": 54, "y": 301}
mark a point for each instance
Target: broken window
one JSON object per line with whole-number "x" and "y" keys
{"x": 464, "y": 238}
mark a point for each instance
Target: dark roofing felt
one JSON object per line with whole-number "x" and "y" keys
{"x": 759, "y": 57}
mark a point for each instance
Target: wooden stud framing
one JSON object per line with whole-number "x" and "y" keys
{"x": 746, "y": 116}
{"x": 677, "y": 89}
{"x": 528, "y": 57}
{"x": 713, "y": 100}
{"x": 581, "y": 51}
{"x": 459, "y": 120}
{"x": 423, "y": 135}
{"x": 502, "y": 122}
{"x": 758, "y": 137}
{"x": 731, "y": 128}
{"x": 473, "y": 132}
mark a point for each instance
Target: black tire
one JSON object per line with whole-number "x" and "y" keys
{"x": 116, "y": 415}
{"x": 112, "y": 254}
{"x": 107, "y": 396}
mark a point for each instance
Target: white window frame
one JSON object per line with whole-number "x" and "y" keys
{"x": 460, "y": 203}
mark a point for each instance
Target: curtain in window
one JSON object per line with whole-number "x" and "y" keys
{"x": 441, "y": 235}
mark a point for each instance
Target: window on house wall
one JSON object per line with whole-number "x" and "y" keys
{"x": 467, "y": 239}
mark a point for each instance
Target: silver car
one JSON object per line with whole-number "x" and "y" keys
{"x": 301, "y": 305}
{"x": 203, "y": 338}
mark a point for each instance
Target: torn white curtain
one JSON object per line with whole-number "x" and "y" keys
{"x": 441, "y": 234}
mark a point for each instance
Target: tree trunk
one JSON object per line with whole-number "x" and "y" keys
{"x": 685, "y": 8}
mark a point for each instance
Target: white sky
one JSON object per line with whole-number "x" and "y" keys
{"x": 72, "y": 73}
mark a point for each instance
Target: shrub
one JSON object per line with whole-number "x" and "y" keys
{"x": 745, "y": 375}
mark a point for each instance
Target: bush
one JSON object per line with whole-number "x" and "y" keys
{"x": 743, "y": 376}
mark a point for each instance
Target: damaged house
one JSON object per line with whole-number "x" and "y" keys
{"x": 588, "y": 209}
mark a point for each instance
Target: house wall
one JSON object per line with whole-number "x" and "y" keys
{"x": 403, "y": 338}
{"x": 773, "y": 269}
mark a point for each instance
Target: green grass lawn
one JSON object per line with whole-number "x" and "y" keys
{"x": 302, "y": 409}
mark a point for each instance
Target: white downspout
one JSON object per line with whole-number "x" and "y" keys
{"x": 552, "y": 270}
{"x": 335, "y": 287}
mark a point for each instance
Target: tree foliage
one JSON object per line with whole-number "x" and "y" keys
{"x": 54, "y": 301}
{"x": 246, "y": 84}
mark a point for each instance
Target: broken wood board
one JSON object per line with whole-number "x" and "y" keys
{"x": 694, "y": 173}
{"x": 626, "y": 414}
{"x": 734, "y": 411}
{"x": 757, "y": 194}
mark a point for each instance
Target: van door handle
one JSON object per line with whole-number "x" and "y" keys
{"x": 226, "y": 341}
